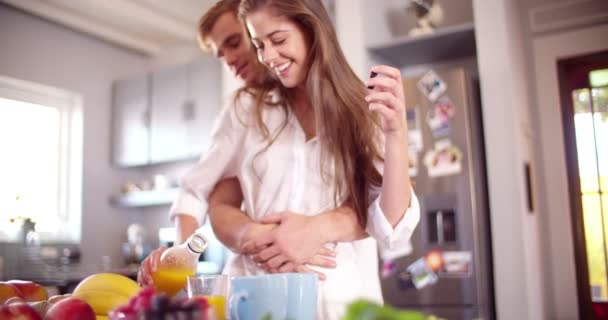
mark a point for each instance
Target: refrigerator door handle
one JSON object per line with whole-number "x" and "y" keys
{"x": 439, "y": 221}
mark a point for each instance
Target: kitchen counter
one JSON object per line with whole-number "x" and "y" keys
{"x": 66, "y": 278}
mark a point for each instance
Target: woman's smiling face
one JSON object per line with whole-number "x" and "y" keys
{"x": 281, "y": 45}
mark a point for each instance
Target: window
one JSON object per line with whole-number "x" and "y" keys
{"x": 41, "y": 162}
{"x": 591, "y": 125}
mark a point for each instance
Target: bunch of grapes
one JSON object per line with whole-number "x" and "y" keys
{"x": 149, "y": 305}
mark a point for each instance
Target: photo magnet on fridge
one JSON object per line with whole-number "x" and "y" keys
{"x": 457, "y": 264}
{"x": 444, "y": 160}
{"x": 432, "y": 86}
{"x": 413, "y": 165}
{"x": 388, "y": 269}
{"x": 439, "y": 115}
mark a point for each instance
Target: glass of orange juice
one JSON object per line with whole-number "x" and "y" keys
{"x": 214, "y": 288}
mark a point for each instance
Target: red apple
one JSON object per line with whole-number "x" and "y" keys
{"x": 70, "y": 309}
{"x": 29, "y": 291}
{"x": 18, "y": 311}
{"x": 14, "y": 300}
{"x": 7, "y": 291}
{"x": 56, "y": 298}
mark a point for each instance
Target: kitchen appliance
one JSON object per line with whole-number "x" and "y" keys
{"x": 448, "y": 175}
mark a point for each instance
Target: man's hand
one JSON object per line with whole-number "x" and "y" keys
{"x": 252, "y": 232}
{"x": 298, "y": 240}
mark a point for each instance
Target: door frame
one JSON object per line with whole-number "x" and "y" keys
{"x": 558, "y": 229}
{"x": 572, "y": 72}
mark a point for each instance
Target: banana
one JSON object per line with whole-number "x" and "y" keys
{"x": 101, "y": 301}
{"x": 109, "y": 282}
{"x": 100, "y": 317}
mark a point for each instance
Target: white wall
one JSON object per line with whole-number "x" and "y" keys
{"x": 548, "y": 49}
{"x": 501, "y": 52}
{"x": 42, "y": 52}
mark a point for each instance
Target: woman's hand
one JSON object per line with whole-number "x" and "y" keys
{"x": 148, "y": 266}
{"x": 298, "y": 240}
{"x": 280, "y": 264}
{"x": 387, "y": 98}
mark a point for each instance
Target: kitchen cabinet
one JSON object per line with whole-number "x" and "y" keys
{"x": 185, "y": 101}
{"x": 130, "y": 121}
{"x": 166, "y": 115}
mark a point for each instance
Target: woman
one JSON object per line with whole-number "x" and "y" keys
{"x": 222, "y": 34}
{"x": 313, "y": 140}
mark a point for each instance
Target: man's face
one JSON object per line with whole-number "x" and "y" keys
{"x": 231, "y": 45}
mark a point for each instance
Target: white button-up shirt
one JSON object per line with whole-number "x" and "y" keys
{"x": 287, "y": 177}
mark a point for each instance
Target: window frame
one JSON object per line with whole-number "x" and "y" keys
{"x": 70, "y": 106}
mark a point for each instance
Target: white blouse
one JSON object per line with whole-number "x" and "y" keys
{"x": 287, "y": 177}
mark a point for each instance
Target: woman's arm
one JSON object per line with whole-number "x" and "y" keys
{"x": 388, "y": 100}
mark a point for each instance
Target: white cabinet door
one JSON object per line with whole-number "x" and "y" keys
{"x": 131, "y": 121}
{"x": 168, "y": 115}
{"x": 168, "y": 134}
{"x": 205, "y": 98}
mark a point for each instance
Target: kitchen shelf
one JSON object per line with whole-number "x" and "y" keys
{"x": 146, "y": 198}
{"x": 444, "y": 44}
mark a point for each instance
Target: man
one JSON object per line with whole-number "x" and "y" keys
{"x": 221, "y": 33}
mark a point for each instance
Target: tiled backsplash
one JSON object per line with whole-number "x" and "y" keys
{"x": 18, "y": 261}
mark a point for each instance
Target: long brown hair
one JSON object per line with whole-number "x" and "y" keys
{"x": 346, "y": 127}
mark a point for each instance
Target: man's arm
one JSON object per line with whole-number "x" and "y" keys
{"x": 231, "y": 225}
{"x": 299, "y": 238}
{"x": 235, "y": 229}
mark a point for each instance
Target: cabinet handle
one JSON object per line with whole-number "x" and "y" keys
{"x": 440, "y": 227}
{"x": 529, "y": 187}
{"x": 189, "y": 110}
{"x": 146, "y": 118}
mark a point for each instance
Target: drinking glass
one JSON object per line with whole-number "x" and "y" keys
{"x": 214, "y": 288}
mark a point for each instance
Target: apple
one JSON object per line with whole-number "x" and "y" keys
{"x": 18, "y": 311}
{"x": 14, "y": 300}
{"x": 58, "y": 297}
{"x": 7, "y": 291}
{"x": 70, "y": 309}
{"x": 29, "y": 291}
{"x": 40, "y": 307}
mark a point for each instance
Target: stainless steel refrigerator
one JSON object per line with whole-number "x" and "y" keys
{"x": 448, "y": 174}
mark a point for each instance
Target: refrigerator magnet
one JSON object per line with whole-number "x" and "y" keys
{"x": 388, "y": 269}
{"x": 439, "y": 116}
{"x": 444, "y": 160}
{"x": 456, "y": 264}
{"x": 421, "y": 274}
{"x": 432, "y": 86}
{"x": 413, "y": 163}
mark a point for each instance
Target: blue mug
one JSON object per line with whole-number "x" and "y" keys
{"x": 278, "y": 296}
